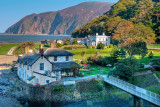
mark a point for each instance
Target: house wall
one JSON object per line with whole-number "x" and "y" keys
{"x": 60, "y": 59}
{"x": 41, "y": 79}
{"x": 36, "y": 65}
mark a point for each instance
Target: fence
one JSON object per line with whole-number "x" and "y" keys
{"x": 137, "y": 91}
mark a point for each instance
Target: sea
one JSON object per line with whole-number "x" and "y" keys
{"x": 25, "y": 38}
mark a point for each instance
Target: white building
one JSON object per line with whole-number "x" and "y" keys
{"x": 46, "y": 66}
{"x": 94, "y": 40}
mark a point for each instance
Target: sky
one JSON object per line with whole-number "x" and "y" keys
{"x": 11, "y": 11}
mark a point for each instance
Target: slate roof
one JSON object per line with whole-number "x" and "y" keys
{"x": 57, "y": 52}
{"x": 63, "y": 65}
{"x": 28, "y": 59}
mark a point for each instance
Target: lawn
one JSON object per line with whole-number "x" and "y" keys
{"x": 94, "y": 70}
{"x": 154, "y": 46}
{"x": 90, "y": 52}
{"x": 5, "y": 48}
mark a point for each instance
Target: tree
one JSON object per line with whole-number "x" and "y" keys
{"x": 83, "y": 54}
{"x": 115, "y": 53}
{"x": 135, "y": 47}
{"x": 100, "y": 46}
{"x": 150, "y": 55}
{"x": 75, "y": 69}
{"x": 74, "y": 42}
{"x": 125, "y": 68}
{"x": 66, "y": 42}
{"x": 58, "y": 45}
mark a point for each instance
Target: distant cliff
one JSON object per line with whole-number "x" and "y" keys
{"x": 59, "y": 22}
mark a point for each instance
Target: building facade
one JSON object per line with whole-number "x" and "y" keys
{"x": 45, "y": 67}
{"x": 96, "y": 39}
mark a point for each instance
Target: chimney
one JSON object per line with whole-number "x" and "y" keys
{"x": 41, "y": 50}
{"x": 41, "y": 46}
{"x": 26, "y": 49}
{"x": 53, "y": 45}
{"x": 96, "y": 34}
{"x": 103, "y": 34}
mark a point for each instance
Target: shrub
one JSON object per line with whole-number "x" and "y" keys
{"x": 100, "y": 46}
{"x": 93, "y": 47}
{"x": 58, "y": 45}
{"x": 74, "y": 42}
{"x": 107, "y": 60}
{"x": 89, "y": 47}
{"x": 111, "y": 46}
{"x": 150, "y": 55}
{"x": 155, "y": 61}
{"x": 68, "y": 48}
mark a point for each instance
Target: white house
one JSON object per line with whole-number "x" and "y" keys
{"x": 59, "y": 41}
{"x": 46, "y": 66}
{"x": 94, "y": 40}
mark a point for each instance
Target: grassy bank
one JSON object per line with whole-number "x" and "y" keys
{"x": 5, "y": 48}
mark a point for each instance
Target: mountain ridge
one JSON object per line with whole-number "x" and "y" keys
{"x": 59, "y": 22}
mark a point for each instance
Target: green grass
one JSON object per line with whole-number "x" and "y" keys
{"x": 157, "y": 74}
{"x": 90, "y": 52}
{"x": 5, "y": 48}
{"x": 154, "y": 46}
{"x": 94, "y": 70}
{"x": 154, "y": 88}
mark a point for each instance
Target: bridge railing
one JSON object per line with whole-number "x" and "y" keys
{"x": 140, "y": 92}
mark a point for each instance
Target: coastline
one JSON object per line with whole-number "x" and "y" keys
{"x": 35, "y": 34}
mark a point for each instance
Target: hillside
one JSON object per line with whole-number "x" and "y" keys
{"x": 59, "y": 22}
{"x": 127, "y": 18}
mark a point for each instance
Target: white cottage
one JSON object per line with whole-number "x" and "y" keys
{"x": 46, "y": 66}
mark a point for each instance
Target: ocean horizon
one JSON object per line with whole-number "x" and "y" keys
{"x": 12, "y": 38}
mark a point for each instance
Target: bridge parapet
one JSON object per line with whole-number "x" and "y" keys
{"x": 133, "y": 89}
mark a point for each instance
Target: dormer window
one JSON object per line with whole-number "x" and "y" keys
{"x": 67, "y": 58}
{"x": 55, "y": 58}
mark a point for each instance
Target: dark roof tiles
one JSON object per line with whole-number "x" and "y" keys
{"x": 57, "y": 52}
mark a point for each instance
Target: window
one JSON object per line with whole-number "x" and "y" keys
{"x": 41, "y": 66}
{"x": 55, "y": 58}
{"x": 67, "y": 58}
{"x": 61, "y": 58}
{"x": 27, "y": 67}
{"x": 47, "y": 81}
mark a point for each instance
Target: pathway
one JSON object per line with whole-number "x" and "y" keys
{"x": 10, "y": 52}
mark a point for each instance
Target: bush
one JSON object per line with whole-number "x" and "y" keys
{"x": 150, "y": 55}
{"x": 58, "y": 45}
{"x": 68, "y": 48}
{"x": 111, "y": 46}
{"x": 74, "y": 42}
{"x": 107, "y": 60}
{"x": 93, "y": 47}
{"x": 155, "y": 61}
{"x": 100, "y": 46}
{"x": 89, "y": 47}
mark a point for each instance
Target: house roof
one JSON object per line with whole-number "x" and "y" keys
{"x": 63, "y": 65}
{"x": 28, "y": 59}
{"x": 57, "y": 52}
